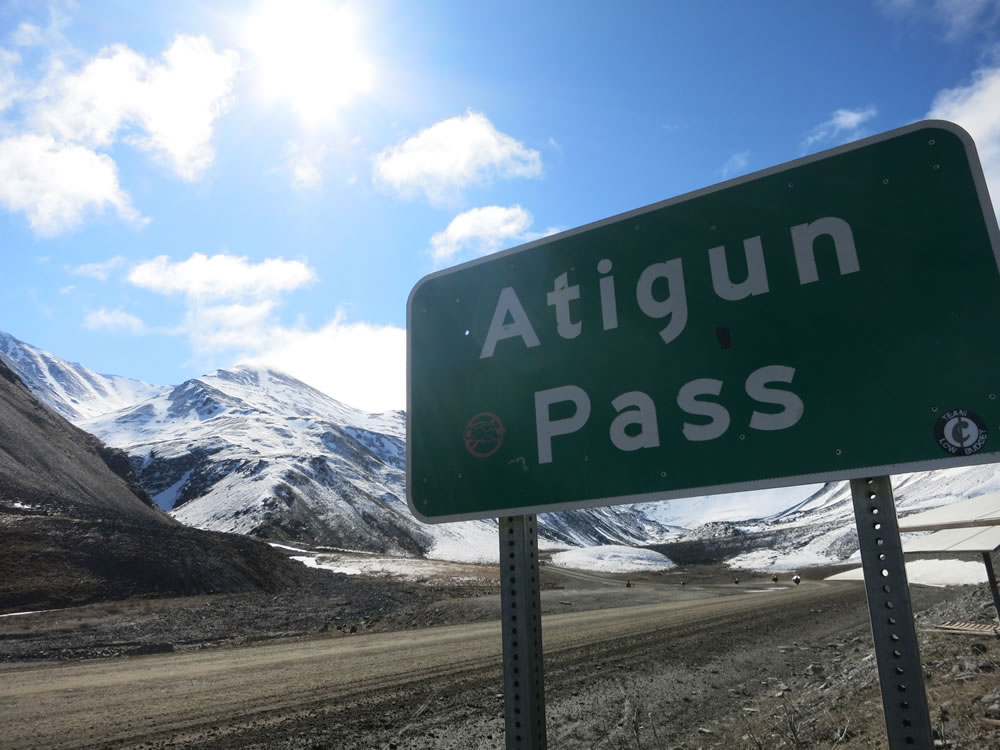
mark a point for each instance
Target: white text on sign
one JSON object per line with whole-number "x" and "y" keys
{"x": 635, "y": 426}
{"x": 510, "y": 321}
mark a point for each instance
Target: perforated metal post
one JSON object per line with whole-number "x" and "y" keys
{"x": 991, "y": 576}
{"x": 904, "y": 700}
{"x": 521, "y": 609}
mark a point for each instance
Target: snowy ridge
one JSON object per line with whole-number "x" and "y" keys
{"x": 820, "y": 530}
{"x": 71, "y": 389}
{"x": 691, "y": 512}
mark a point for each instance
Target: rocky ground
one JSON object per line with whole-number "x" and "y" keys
{"x": 799, "y": 678}
{"x": 824, "y": 693}
{"x": 328, "y": 603}
{"x": 323, "y": 603}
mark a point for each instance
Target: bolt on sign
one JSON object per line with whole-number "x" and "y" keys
{"x": 830, "y": 318}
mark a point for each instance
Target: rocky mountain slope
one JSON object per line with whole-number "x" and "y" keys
{"x": 49, "y": 464}
{"x": 75, "y": 526}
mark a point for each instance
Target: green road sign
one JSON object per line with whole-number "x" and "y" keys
{"x": 830, "y": 318}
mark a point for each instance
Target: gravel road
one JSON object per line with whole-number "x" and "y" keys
{"x": 682, "y": 663}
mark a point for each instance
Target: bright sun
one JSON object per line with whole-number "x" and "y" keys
{"x": 307, "y": 52}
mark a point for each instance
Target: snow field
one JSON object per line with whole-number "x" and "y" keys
{"x": 612, "y": 558}
{"x": 931, "y": 573}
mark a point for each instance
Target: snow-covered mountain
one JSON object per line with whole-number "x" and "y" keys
{"x": 821, "y": 528}
{"x": 257, "y": 452}
{"x": 254, "y": 451}
{"x": 71, "y": 389}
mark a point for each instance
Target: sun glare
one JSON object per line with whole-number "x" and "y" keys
{"x": 308, "y": 53}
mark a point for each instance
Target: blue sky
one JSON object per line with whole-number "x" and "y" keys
{"x": 185, "y": 186}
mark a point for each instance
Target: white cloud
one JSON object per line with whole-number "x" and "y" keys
{"x": 452, "y": 155}
{"x": 963, "y": 16}
{"x": 31, "y": 35}
{"x": 480, "y": 231}
{"x": 959, "y": 17}
{"x": 976, "y": 108}
{"x": 181, "y": 102}
{"x": 850, "y": 119}
{"x": 843, "y": 126}
{"x": 53, "y": 164}
{"x": 304, "y": 164}
{"x": 231, "y": 316}
{"x": 113, "y": 320}
{"x": 361, "y": 364}
{"x": 10, "y": 86}
{"x": 171, "y": 107}
{"x": 55, "y": 184}
{"x": 28, "y": 35}
{"x": 219, "y": 329}
{"x": 735, "y": 164}
{"x": 101, "y": 269}
{"x": 203, "y": 278}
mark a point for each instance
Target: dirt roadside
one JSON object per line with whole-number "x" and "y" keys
{"x": 332, "y": 604}
{"x": 691, "y": 672}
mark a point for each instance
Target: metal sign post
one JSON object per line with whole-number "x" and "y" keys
{"x": 521, "y": 610}
{"x": 991, "y": 576}
{"x": 904, "y": 700}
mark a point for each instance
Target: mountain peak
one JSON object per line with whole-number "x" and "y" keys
{"x": 250, "y": 374}
{"x": 70, "y": 389}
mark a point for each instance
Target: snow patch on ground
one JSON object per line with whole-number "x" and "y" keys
{"x": 32, "y": 612}
{"x": 770, "y": 559}
{"x": 815, "y": 552}
{"x": 612, "y": 558}
{"x": 292, "y": 549}
{"x": 930, "y": 573}
{"x": 410, "y": 568}
{"x": 468, "y": 542}
{"x": 476, "y": 542}
{"x": 168, "y": 498}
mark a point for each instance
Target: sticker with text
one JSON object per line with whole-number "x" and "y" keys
{"x": 961, "y": 432}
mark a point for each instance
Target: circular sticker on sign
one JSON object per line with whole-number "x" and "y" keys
{"x": 484, "y": 434}
{"x": 961, "y": 432}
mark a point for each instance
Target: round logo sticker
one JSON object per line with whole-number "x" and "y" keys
{"x": 961, "y": 432}
{"x": 484, "y": 434}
